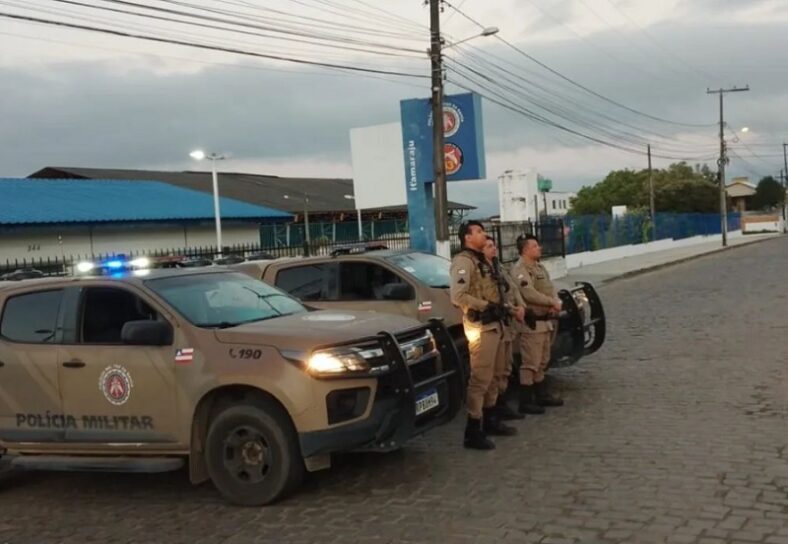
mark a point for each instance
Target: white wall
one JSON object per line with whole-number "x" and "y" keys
{"x": 578, "y": 260}
{"x": 378, "y": 166}
{"x": 761, "y": 226}
{"x": 42, "y": 242}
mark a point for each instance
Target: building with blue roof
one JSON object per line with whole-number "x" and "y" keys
{"x": 52, "y": 218}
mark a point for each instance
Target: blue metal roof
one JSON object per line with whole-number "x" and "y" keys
{"x": 27, "y": 201}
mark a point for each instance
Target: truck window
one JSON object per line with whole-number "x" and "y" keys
{"x": 106, "y": 309}
{"x": 310, "y": 282}
{"x": 364, "y": 281}
{"x": 31, "y": 318}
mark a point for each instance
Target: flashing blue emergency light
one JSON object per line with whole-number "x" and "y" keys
{"x": 115, "y": 264}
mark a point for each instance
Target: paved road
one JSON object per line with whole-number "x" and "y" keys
{"x": 676, "y": 432}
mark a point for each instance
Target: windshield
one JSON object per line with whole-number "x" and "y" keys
{"x": 224, "y": 300}
{"x": 430, "y": 269}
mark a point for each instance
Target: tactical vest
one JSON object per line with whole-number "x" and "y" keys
{"x": 482, "y": 285}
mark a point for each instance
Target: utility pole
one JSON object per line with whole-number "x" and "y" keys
{"x": 723, "y": 160}
{"x": 442, "y": 244}
{"x": 785, "y": 188}
{"x": 651, "y": 197}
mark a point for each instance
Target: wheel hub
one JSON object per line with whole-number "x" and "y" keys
{"x": 253, "y": 453}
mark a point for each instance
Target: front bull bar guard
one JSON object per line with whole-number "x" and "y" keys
{"x": 452, "y": 373}
{"x": 586, "y": 335}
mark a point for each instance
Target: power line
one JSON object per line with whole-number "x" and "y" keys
{"x": 221, "y": 28}
{"x": 337, "y": 73}
{"x": 207, "y": 47}
{"x": 577, "y": 84}
{"x": 556, "y": 104}
{"x": 506, "y": 103}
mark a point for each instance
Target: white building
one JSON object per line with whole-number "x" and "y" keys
{"x": 519, "y": 198}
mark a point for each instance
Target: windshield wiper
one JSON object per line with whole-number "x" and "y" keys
{"x": 220, "y": 325}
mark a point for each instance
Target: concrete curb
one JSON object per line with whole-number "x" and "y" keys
{"x": 653, "y": 268}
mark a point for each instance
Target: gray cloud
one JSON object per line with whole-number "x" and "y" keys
{"x": 90, "y": 114}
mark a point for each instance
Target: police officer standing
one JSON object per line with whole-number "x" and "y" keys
{"x": 516, "y": 306}
{"x": 475, "y": 292}
{"x": 539, "y": 293}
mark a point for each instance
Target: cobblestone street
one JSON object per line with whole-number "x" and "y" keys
{"x": 675, "y": 432}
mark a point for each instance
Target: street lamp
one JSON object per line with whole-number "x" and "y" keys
{"x": 199, "y": 155}
{"x": 358, "y": 215}
{"x": 306, "y": 215}
{"x": 489, "y": 31}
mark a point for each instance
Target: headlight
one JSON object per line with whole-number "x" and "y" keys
{"x": 85, "y": 267}
{"x": 583, "y": 305}
{"x": 331, "y": 363}
{"x": 140, "y": 262}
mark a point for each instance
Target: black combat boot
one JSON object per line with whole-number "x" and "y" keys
{"x": 474, "y": 436}
{"x": 493, "y": 425}
{"x": 528, "y": 404}
{"x": 505, "y": 413}
{"x": 544, "y": 398}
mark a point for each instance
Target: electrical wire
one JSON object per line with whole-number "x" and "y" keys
{"x": 222, "y": 28}
{"x": 207, "y": 47}
{"x": 575, "y": 83}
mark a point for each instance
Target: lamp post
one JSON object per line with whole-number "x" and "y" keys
{"x": 200, "y": 155}
{"x": 437, "y": 45}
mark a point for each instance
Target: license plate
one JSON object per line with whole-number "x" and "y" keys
{"x": 427, "y": 402}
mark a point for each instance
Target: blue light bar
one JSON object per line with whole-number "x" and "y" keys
{"x": 114, "y": 264}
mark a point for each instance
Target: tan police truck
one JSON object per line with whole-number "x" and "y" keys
{"x": 145, "y": 371}
{"x": 416, "y": 284}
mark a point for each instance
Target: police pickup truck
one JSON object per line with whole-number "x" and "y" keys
{"x": 145, "y": 371}
{"x": 415, "y": 284}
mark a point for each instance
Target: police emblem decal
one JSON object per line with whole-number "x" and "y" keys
{"x": 453, "y": 158}
{"x": 452, "y": 120}
{"x": 115, "y": 383}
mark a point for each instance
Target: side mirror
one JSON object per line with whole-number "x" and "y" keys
{"x": 398, "y": 291}
{"x": 146, "y": 333}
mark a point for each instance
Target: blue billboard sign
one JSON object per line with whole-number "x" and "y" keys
{"x": 462, "y": 132}
{"x": 463, "y": 154}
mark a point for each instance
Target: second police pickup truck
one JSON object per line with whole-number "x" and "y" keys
{"x": 414, "y": 284}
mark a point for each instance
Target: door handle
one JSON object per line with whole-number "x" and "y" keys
{"x": 75, "y": 363}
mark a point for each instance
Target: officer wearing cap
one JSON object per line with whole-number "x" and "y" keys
{"x": 516, "y": 306}
{"x": 538, "y": 291}
{"x": 474, "y": 290}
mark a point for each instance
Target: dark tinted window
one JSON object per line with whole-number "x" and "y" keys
{"x": 31, "y": 318}
{"x": 311, "y": 282}
{"x": 364, "y": 281}
{"x": 105, "y": 310}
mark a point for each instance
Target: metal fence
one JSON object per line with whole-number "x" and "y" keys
{"x": 593, "y": 232}
{"x": 550, "y": 234}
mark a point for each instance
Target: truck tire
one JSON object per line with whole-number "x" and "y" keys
{"x": 252, "y": 454}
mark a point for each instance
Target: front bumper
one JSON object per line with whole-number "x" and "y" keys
{"x": 393, "y": 419}
{"x": 581, "y": 325}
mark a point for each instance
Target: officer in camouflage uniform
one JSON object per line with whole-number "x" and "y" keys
{"x": 539, "y": 293}
{"x": 516, "y": 306}
{"x": 475, "y": 292}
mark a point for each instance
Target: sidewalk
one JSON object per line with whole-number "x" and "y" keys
{"x": 606, "y": 272}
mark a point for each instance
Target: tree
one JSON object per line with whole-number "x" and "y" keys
{"x": 678, "y": 188}
{"x": 769, "y": 194}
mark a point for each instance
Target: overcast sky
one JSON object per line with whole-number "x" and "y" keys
{"x": 70, "y": 97}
